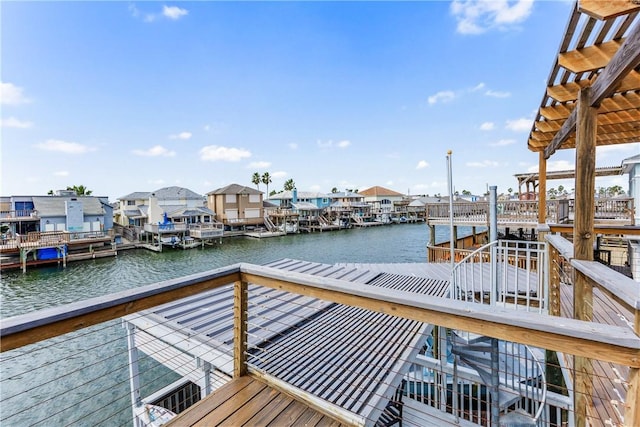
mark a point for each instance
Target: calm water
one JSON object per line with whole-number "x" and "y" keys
{"x": 31, "y": 397}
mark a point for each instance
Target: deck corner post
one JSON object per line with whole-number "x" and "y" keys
{"x": 240, "y": 306}
{"x": 542, "y": 188}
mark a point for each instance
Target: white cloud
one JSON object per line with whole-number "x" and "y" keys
{"x": 64, "y": 147}
{"x": 479, "y": 16}
{"x": 422, "y": 164}
{"x": 206, "y": 128}
{"x": 214, "y": 153}
{"x": 174, "y": 12}
{"x": 519, "y": 125}
{"x": 293, "y": 146}
{"x": 330, "y": 144}
{"x": 11, "y": 94}
{"x": 61, "y": 173}
{"x": 389, "y": 183}
{"x": 12, "y": 122}
{"x": 554, "y": 165}
{"x": 496, "y": 94}
{"x": 279, "y": 174}
{"x": 632, "y": 149}
{"x": 487, "y": 126}
{"x": 478, "y": 87}
{"x": 442, "y": 96}
{"x": 258, "y": 165}
{"x": 155, "y": 151}
{"x": 181, "y": 135}
{"x": 502, "y": 143}
{"x": 483, "y": 164}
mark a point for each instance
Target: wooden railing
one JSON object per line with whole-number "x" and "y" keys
{"x": 558, "y": 211}
{"x": 18, "y": 214}
{"x": 584, "y": 339}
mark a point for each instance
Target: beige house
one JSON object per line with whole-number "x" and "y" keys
{"x": 237, "y": 205}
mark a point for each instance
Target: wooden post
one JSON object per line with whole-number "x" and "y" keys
{"x": 554, "y": 281}
{"x": 586, "y": 129}
{"x": 240, "y": 307}
{"x": 542, "y": 188}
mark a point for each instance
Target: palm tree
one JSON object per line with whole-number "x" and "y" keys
{"x": 334, "y": 190}
{"x": 80, "y": 190}
{"x": 266, "y": 180}
{"x": 255, "y": 179}
{"x": 289, "y": 185}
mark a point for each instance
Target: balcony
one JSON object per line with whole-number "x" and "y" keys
{"x": 349, "y": 343}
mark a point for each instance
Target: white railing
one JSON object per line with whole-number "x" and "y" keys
{"x": 503, "y": 272}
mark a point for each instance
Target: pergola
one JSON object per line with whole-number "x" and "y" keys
{"x": 592, "y": 98}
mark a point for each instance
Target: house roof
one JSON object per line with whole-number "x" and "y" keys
{"x": 345, "y": 195}
{"x": 164, "y": 193}
{"x": 306, "y": 206}
{"x": 378, "y": 191}
{"x": 235, "y": 189}
{"x": 288, "y": 195}
{"x": 55, "y": 205}
{"x": 191, "y": 211}
{"x": 598, "y": 49}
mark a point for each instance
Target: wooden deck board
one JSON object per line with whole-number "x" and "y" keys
{"x": 247, "y": 401}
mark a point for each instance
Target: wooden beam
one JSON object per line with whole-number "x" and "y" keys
{"x": 589, "y": 58}
{"x": 30, "y": 328}
{"x": 569, "y": 336}
{"x": 567, "y": 129}
{"x": 609, "y": 9}
{"x": 623, "y": 62}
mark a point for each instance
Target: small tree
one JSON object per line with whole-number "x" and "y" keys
{"x": 80, "y": 190}
{"x": 266, "y": 180}
{"x": 255, "y": 179}
{"x": 334, "y": 190}
{"x": 289, "y": 185}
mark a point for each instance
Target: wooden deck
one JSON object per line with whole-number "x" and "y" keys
{"x": 247, "y": 401}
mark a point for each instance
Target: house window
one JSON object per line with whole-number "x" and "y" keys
{"x": 230, "y": 198}
{"x": 254, "y": 198}
{"x": 131, "y": 202}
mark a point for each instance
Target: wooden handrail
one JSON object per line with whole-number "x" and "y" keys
{"x": 604, "y": 342}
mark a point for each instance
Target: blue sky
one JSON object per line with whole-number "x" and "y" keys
{"x": 135, "y": 96}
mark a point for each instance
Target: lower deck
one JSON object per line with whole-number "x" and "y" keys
{"x": 249, "y": 401}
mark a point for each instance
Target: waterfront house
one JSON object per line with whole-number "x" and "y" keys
{"x": 287, "y": 199}
{"x": 64, "y": 211}
{"x": 385, "y": 203}
{"x": 237, "y": 206}
{"x": 180, "y": 205}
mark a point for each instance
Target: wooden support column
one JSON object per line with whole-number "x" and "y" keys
{"x": 240, "y": 306}
{"x": 586, "y": 129}
{"x": 555, "y": 261}
{"x": 542, "y": 189}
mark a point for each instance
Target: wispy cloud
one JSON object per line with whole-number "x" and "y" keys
{"x": 330, "y": 144}
{"x": 213, "y": 153}
{"x": 12, "y": 122}
{"x": 422, "y": 164}
{"x": 519, "y": 125}
{"x": 258, "y": 165}
{"x": 497, "y": 94}
{"x": 480, "y": 16}
{"x": 483, "y": 164}
{"x": 61, "y": 173}
{"x": 279, "y": 174}
{"x": 442, "y": 96}
{"x": 293, "y": 146}
{"x": 172, "y": 13}
{"x": 181, "y": 135}
{"x": 554, "y": 165}
{"x": 477, "y": 87}
{"x": 64, "y": 147}
{"x": 487, "y": 126}
{"x": 155, "y": 151}
{"x": 11, "y": 94}
{"x": 503, "y": 143}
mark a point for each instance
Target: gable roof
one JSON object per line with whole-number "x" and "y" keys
{"x": 164, "y": 193}
{"x": 378, "y": 191}
{"x": 235, "y": 189}
{"x": 55, "y": 205}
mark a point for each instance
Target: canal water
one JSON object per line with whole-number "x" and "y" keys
{"x": 29, "y": 394}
